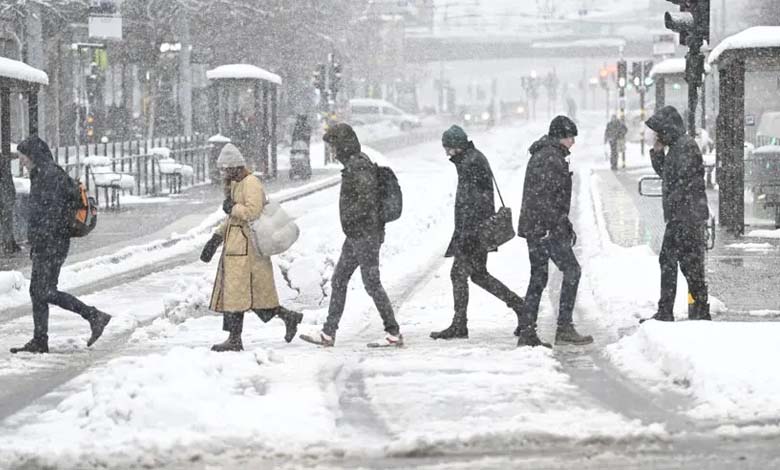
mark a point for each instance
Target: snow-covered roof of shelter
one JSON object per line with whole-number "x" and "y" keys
{"x": 368, "y": 102}
{"x": 16, "y": 70}
{"x": 755, "y": 37}
{"x": 219, "y": 139}
{"x": 673, "y": 66}
{"x": 242, "y": 71}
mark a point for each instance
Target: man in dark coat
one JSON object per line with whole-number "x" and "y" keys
{"x": 474, "y": 203}
{"x": 544, "y": 223}
{"x": 360, "y": 209}
{"x": 53, "y": 200}
{"x": 615, "y": 134}
{"x": 685, "y": 213}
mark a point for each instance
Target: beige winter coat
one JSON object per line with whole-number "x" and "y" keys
{"x": 245, "y": 280}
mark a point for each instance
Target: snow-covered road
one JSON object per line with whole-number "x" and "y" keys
{"x": 152, "y": 394}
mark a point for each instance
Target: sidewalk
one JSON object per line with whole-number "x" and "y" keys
{"x": 148, "y": 219}
{"x": 741, "y": 271}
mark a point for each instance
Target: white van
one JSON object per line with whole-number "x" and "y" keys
{"x": 369, "y": 111}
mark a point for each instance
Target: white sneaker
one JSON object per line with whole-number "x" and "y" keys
{"x": 321, "y": 340}
{"x": 388, "y": 341}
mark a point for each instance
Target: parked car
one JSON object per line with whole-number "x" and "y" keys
{"x": 370, "y": 111}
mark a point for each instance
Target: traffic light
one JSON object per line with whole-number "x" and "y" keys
{"x": 603, "y": 75}
{"x": 636, "y": 74}
{"x": 335, "y": 78}
{"x": 622, "y": 73}
{"x": 318, "y": 77}
{"x": 692, "y": 22}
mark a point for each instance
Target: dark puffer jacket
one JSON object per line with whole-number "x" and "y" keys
{"x": 360, "y": 205}
{"x": 547, "y": 191}
{"x": 53, "y": 200}
{"x": 682, "y": 169}
{"x": 474, "y": 200}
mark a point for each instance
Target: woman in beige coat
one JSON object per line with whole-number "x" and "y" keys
{"x": 245, "y": 279}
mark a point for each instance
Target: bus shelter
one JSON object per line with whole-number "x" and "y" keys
{"x": 670, "y": 85}
{"x": 15, "y": 77}
{"x": 244, "y": 102}
{"x": 748, "y": 70}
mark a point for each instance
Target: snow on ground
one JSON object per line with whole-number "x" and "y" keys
{"x": 763, "y": 234}
{"x": 162, "y": 397}
{"x": 728, "y": 369}
{"x": 130, "y": 410}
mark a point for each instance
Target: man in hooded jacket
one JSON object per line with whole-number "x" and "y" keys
{"x": 360, "y": 211}
{"x": 474, "y": 204}
{"x": 53, "y": 202}
{"x": 685, "y": 213}
{"x": 544, "y": 223}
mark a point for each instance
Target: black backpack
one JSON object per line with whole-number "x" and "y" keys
{"x": 390, "y": 194}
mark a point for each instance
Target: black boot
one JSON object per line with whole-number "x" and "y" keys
{"x": 37, "y": 345}
{"x": 519, "y": 311}
{"x": 97, "y": 323}
{"x": 233, "y": 323}
{"x": 566, "y": 334}
{"x": 457, "y": 330}
{"x": 700, "y": 312}
{"x": 527, "y": 337}
{"x": 659, "y": 316}
{"x": 291, "y": 321}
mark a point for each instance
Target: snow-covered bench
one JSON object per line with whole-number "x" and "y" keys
{"x": 173, "y": 171}
{"x": 98, "y": 170}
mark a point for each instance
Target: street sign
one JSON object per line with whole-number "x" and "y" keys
{"x": 104, "y": 19}
{"x": 664, "y": 44}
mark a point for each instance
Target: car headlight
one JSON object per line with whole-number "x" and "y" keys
{"x": 467, "y": 117}
{"x": 520, "y": 110}
{"x": 485, "y": 116}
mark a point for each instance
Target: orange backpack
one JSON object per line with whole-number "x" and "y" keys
{"x": 85, "y": 217}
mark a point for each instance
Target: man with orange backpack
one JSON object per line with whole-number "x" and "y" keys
{"x": 53, "y": 203}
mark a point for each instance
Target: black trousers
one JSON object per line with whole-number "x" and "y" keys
{"x": 360, "y": 253}
{"x": 474, "y": 266}
{"x": 684, "y": 245}
{"x": 44, "y": 278}
{"x": 613, "y": 154}
{"x": 540, "y": 252}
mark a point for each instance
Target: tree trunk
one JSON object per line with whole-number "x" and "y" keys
{"x": 185, "y": 74}
{"x": 36, "y": 57}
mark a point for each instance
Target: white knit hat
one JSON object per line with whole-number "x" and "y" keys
{"x": 230, "y": 157}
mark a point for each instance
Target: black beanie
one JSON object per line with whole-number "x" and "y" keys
{"x": 455, "y": 137}
{"x": 562, "y": 127}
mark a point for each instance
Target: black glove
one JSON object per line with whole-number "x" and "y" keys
{"x": 210, "y": 248}
{"x": 227, "y": 205}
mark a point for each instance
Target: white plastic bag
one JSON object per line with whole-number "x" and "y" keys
{"x": 274, "y": 231}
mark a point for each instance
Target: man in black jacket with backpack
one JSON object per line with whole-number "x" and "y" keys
{"x": 363, "y": 223}
{"x": 474, "y": 204}
{"x": 544, "y": 223}
{"x": 53, "y": 202}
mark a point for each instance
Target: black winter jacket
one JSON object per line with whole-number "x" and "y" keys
{"x": 681, "y": 168}
{"x": 53, "y": 200}
{"x": 474, "y": 201}
{"x": 546, "y": 192}
{"x": 360, "y": 205}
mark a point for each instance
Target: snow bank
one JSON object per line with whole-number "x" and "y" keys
{"x": 11, "y": 281}
{"x": 138, "y": 411}
{"x": 16, "y": 70}
{"x": 755, "y": 37}
{"x": 728, "y": 368}
{"x": 242, "y": 71}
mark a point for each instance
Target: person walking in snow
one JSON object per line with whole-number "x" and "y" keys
{"x": 245, "y": 279}
{"x": 360, "y": 209}
{"x": 53, "y": 202}
{"x": 615, "y": 135}
{"x": 544, "y": 223}
{"x": 474, "y": 203}
{"x": 685, "y": 212}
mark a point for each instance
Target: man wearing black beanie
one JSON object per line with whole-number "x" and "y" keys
{"x": 544, "y": 223}
{"x": 474, "y": 203}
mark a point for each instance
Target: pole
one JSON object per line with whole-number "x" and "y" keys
{"x": 694, "y": 69}
{"x": 642, "y": 91}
